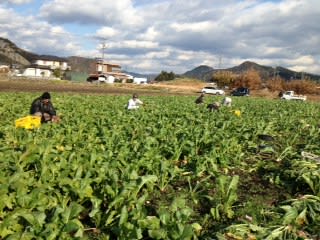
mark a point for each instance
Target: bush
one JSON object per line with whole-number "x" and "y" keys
{"x": 250, "y": 79}
{"x": 165, "y": 76}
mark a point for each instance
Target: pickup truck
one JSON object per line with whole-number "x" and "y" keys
{"x": 289, "y": 95}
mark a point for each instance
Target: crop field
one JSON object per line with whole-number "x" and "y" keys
{"x": 169, "y": 170}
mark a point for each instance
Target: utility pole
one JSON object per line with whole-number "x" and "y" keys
{"x": 275, "y": 73}
{"x": 100, "y": 63}
{"x": 103, "y": 47}
{"x": 220, "y": 61}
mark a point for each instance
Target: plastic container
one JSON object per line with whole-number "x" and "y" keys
{"x": 237, "y": 113}
{"x": 28, "y": 122}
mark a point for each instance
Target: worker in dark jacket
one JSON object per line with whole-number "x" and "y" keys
{"x": 42, "y": 106}
{"x": 200, "y": 99}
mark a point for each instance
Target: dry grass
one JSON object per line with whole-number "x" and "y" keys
{"x": 183, "y": 86}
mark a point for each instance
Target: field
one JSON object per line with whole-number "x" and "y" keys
{"x": 170, "y": 170}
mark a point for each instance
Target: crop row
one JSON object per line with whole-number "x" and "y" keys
{"x": 170, "y": 170}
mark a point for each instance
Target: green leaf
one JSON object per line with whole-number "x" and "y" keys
{"x": 96, "y": 202}
{"x": 151, "y": 222}
{"x": 73, "y": 226}
{"x": 158, "y": 234}
{"x": 123, "y": 215}
{"x": 71, "y": 212}
{"x": 290, "y": 215}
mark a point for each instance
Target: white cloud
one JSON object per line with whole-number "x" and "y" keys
{"x": 174, "y": 34}
{"x": 194, "y": 27}
{"x": 18, "y": 2}
{"x": 91, "y": 12}
{"x": 106, "y": 32}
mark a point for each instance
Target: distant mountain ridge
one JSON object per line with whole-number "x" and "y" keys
{"x": 205, "y": 73}
{"x": 11, "y": 54}
{"x": 202, "y": 72}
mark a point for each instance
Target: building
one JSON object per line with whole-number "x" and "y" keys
{"x": 46, "y": 67}
{"x": 37, "y": 71}
{"x": 52, "y": 63}
{"x": 109, "y": 73}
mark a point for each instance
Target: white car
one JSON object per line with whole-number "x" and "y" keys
{"x": 213, "y": 90}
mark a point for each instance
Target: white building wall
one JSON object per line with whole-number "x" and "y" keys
{"x": 36, "y": 72}
{"x": 139, "y": 80}
{"x": 52, "y": 64}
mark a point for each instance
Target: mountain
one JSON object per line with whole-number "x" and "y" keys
{"x": 202, "y": 72}
{"x": 205, "y": 73}
{"x": 11, "y": 54}
{"x": 264, "y": 71}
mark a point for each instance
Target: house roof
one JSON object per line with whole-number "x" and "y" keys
{"x": 39, "y": 67}
{"x": 49, "y": 58}
{"x": 109, "y": 64}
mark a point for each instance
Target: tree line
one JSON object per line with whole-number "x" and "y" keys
{"x": 252, "y": 80}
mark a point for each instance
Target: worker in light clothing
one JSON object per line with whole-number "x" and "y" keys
{"x": 227, "y": 101}
{"x": 134, "y": 102}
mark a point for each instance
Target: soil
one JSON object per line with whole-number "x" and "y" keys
{"x": 95, "y": 88}
{"x": 183, "y": 87}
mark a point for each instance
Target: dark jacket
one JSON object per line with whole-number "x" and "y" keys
{"x": 199, "y": 100}
{"x": 38, "y": 106}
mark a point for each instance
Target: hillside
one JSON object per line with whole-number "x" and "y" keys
{"x": 11, "y": 54}
{"x": 205, "y": 73}
{"x": 202, "y": 72}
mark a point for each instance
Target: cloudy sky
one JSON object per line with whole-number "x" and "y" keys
{"x": 148, "y": 36}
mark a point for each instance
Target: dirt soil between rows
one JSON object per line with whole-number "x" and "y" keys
{"x": 94, "y": 88}
{"x": 184, "y": 87}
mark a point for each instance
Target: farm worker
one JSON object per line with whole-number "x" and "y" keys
{"x": 134, "y": 102}
{"x": 227, "y": 101}
{"x": 199, "y": 100}
{"x": 213, "y": 106}
{"x": 42, "y": 106}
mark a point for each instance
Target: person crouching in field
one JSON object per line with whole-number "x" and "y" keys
{"x": 42, "y": 106}
{"x": 227, "y": 101}
{"x": 213, "y": 106}
{"x": 200, "y": 99}
{"x": 134, "y": 102}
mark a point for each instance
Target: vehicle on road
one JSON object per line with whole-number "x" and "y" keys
{"x": 241, "y": 91}
{"x": 290, "y": 95}
{"x": 212, "y": 90}
{"x": 100, "y": 78}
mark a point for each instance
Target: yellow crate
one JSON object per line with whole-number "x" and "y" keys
{"x": 28, "y": 122}
{"x": 237, "y": 113}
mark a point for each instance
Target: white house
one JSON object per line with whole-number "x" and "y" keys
{"x": 36, "y": 71}
{"x": 52, "y": 63}
{"x": 44, "y": 66}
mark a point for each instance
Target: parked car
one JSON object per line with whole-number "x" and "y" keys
{"x": 290, "y": 95}
{"x": 242, "y": 91}
{"x": 212, "y": 90}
